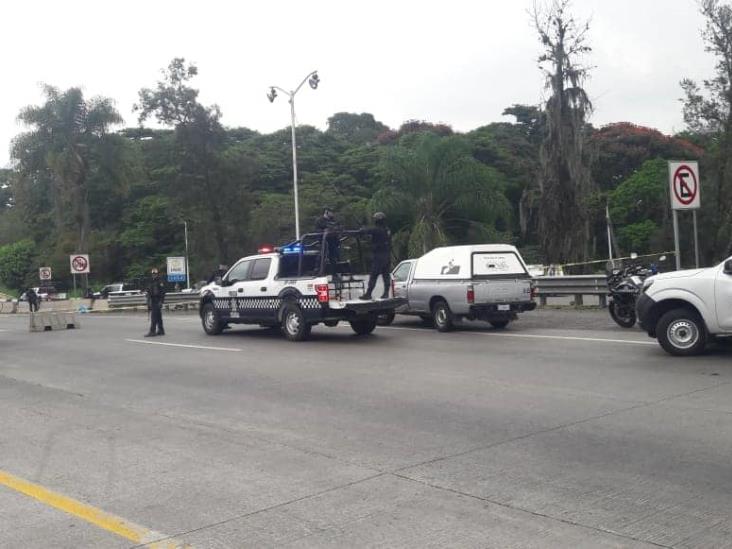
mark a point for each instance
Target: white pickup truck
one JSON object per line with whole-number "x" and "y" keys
{"x": 289, "y": 288}
{"x": 487, "y": 282}
{"x": 683, "y": 309}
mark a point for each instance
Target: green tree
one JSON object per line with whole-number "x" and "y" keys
{"x": 66, "y": 131}
{"x": 565, "y": 182}
{"x": 16, "y": 263}
{"x": 200, "y": 179}
{"x": 708, "y": 111}
{"x": 639, "y": 208}
{"x": 436, "y": 191}
{"x": 356, "y": 129}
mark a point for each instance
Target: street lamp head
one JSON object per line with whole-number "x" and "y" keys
{"x": 314, "y": 81}
{"x": 272, "y": 95}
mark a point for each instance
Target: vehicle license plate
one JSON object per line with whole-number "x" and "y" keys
{"x": 504, "y": 307}
{"x": 234, "y": 315}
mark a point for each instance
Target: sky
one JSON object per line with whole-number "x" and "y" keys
{"x": 460, "y": 62}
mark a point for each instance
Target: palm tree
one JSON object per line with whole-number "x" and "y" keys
{"x": 436, "y": 191}
{"x": 64, "y": 132}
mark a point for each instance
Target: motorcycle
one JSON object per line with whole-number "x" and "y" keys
{"x": 624, "y": 287}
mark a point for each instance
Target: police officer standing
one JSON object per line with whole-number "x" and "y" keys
{"x": 32, "y": 297}
{"x": 328, "y": 225}
{"x": 155, "y": 298}
{"x": 381, "y": 264}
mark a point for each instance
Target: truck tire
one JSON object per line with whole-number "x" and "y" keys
{"x": 499, "y": 324}
{"x": 364, "y": 326}
{"x": 442, "y": 316}
{"x": 386, "y": 319}
{"x": 681, "y": 332}
{"x": 210, "y": 320}
{"x": 294, "y": 325}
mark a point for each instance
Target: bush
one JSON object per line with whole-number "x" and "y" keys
{"x": 16, "y": 263}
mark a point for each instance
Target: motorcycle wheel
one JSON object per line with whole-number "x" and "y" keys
{"x": 623, "y": 316}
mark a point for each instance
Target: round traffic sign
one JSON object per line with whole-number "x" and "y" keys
{"x": 686, "y": 186}
{"x": 79, "y": 264}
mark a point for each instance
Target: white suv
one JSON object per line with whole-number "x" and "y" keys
{"x": 683, "y": 309}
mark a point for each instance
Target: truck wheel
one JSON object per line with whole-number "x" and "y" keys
{"x": 364, "y": 326}
{"x": 294, "y": 325}
{"x": 499, "y": 324}
{"x": 212, "y": 325}
{"x": 681, "y": 332}
{"x": 386, "y": 319}
{"x": 442, "y": 317}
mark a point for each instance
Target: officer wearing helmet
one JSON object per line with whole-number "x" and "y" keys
{"x": 330, "y": 229}
{"x": 381, "y": 246}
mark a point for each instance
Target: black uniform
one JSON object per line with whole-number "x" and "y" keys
{"x": 32, "y": 298}
{"x": 381, "y": 265}
{"x": 155, "y": 299}
{"x": 330, "y": 227}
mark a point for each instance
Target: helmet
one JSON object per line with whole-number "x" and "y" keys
{"x": 379, "y": 216}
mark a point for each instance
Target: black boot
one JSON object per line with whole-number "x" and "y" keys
{"x": 150, "y": 334}
{"x": 366, "y": 297}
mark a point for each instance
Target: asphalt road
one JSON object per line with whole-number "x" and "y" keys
{"x": 563, "y": 431}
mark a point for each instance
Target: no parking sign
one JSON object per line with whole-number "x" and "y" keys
{"x": 684, "y": 185}
{"x": 79, "y": 263}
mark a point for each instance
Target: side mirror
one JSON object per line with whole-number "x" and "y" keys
{"x": 728, "y": 267}
{"x": 218, "y": 281}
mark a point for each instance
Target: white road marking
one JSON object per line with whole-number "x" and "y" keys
{"x": 204, "y": 347}
{"x": 538, "y": 336}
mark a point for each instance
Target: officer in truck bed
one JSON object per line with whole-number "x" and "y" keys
{"x": 381, "y": 246}
{"x": 330, "y": 228}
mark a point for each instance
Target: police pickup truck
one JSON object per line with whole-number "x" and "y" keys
{"x": 293, "y": 287}
{"x": 684, "y": 309}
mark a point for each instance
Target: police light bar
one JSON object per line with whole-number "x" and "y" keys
{"x": 294, "y": 249}
{"x": 266, "y": 249}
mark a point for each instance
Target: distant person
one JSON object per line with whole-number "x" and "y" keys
{"x": 155, "y": 298}
{"x": 329, "y": 227}
{"x": 218, "y": 273}
{"x": 33, "y": 300}
{"x": 381, "y": 263}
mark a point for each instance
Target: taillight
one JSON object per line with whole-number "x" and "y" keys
{"x": 471, "y": 294}
{"x": 322, "y": 291}
{"x": 534, "y": 291}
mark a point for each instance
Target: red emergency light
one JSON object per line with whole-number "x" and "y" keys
{"x": 266, "y": 249}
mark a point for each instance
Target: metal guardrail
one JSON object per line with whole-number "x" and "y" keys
{"x": 172, "y": 300}
{"x": 577, "y": 286}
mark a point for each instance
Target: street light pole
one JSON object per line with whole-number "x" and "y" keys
{"x": 294, "y": 169}
{"x": 313, "y": 80}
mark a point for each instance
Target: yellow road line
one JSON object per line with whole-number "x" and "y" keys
{"x": 106, "y": 521}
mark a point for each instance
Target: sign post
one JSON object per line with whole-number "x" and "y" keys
{"x": 685, "y": 195}
{"x": 176, "y": 269}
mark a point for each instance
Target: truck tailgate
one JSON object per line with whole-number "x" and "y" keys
{"x": 502, "y": 290}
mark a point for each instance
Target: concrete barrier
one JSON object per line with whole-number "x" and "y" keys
{"x": 43, "y": 321}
